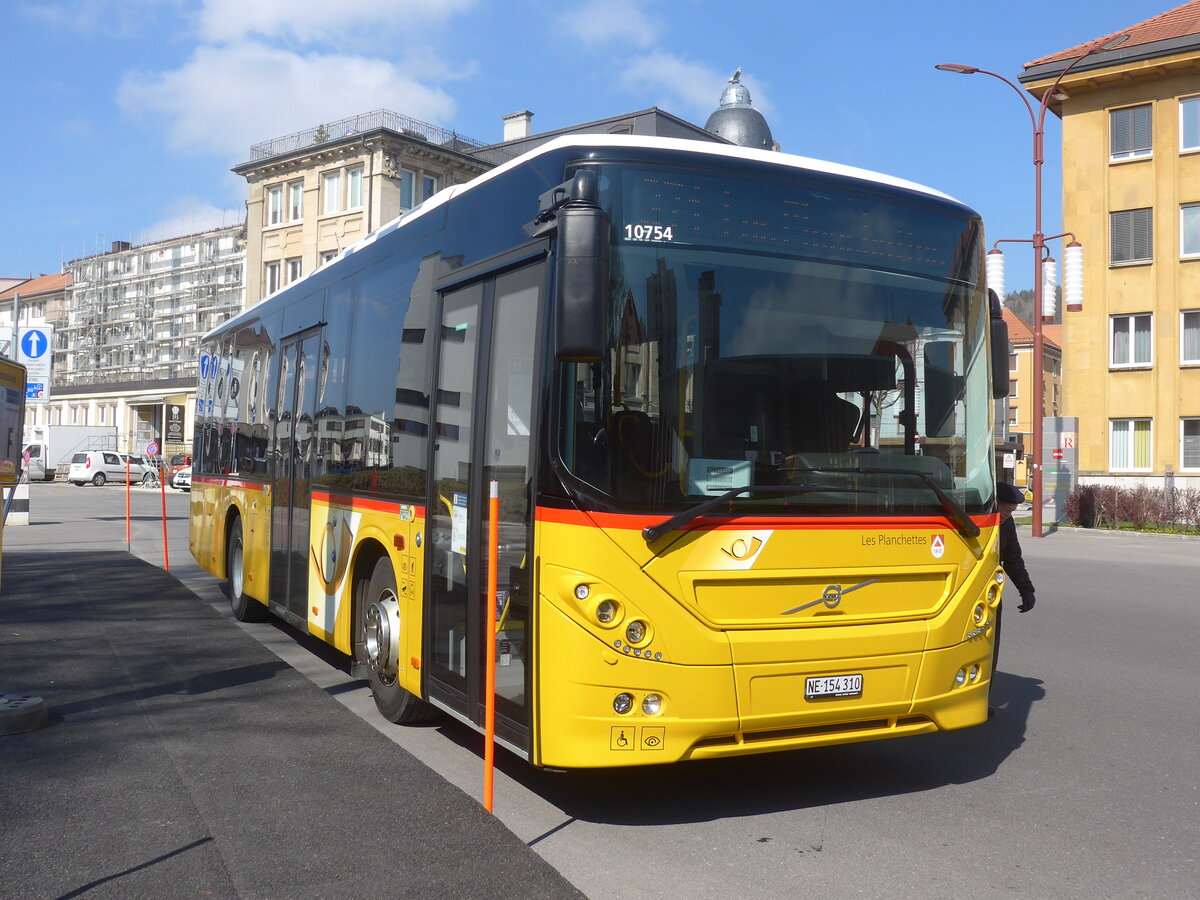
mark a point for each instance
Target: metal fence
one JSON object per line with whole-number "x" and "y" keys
{"x": 364, "y": 122}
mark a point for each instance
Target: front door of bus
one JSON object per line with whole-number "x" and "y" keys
{"x": 295, "y": 440}
{"x": 483, "y": 427}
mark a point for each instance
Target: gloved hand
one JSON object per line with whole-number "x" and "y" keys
{"x": 1027, "y": 602}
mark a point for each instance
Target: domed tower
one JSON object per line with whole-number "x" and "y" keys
{"x": 737, "y": 121}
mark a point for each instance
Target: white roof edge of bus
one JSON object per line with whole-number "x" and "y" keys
{"x": 619, "y": 140}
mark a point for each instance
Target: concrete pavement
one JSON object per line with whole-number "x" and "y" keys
{"x": 184, "y": 759}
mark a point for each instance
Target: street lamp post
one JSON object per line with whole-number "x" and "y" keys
{"x": 1037, "y": 120}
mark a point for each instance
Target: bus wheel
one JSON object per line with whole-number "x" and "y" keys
{"x": 379, "y": 624}
{"x": 245, "y": 609}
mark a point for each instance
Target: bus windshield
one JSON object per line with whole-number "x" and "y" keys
{"x": 807, "y": 332}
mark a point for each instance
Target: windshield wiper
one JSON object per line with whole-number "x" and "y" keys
{"x": 654, "y": 532}
{"x": 956, "y": 513}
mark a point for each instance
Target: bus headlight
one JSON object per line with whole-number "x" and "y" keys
{"x": 960, "y": 677}
{"x": 979, "y": 613}
{"x": 582, "y": 591}
{"x": 622, "y": 703}
{"x": 606, "y": 612}
{"x": 652, "y": 704}
{"x": 635, "y": 631}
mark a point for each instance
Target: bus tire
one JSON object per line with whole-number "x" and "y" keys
{"x": 244, "y": 608}
{"x": 378, "y": 618}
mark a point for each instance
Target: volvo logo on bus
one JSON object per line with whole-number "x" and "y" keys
{"x": 831, "y": 596}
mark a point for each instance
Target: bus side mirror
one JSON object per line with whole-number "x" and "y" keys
{"x": 581, "y": 275}
{"x": 1000, "y": 348}
{"x": 942, "y": 389}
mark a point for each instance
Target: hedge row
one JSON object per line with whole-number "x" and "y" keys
{"x": 1139, "y": 508}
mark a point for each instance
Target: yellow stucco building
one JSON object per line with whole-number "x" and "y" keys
{"x": 1131, "y": 195}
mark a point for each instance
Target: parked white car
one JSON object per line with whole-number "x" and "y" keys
{"x": 182, "y": 480}
{"x": 100, "y": 466}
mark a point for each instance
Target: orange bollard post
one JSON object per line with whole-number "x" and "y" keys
{"x": 162, "y": 483}
{"x": 489, "y": 690}
{"x": 128, "y": 515}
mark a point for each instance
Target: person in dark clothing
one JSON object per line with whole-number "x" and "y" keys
{"x": 1008, "y": 498}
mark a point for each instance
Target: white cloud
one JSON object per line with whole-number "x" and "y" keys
{"x": 680, "y": 85}
{"x": 596, "y": 22}
{"x": 189, "y": 215}
{"x": 223, "y": 99}
{"x": 310, "y": 21}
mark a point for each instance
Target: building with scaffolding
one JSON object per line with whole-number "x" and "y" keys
{"x": 126, "y": 332}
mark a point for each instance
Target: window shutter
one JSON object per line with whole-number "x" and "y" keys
{"x": 1130, "y": 132}
{"x": 1118, "y": 238}
{"x": 1131, "y": 235}
{"x": 1142, "y": 140}
{"x": 1118, "y": 132}
{"x": 1143, "y": 234}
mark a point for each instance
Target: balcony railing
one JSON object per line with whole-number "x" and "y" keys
{"x": 370, "y": 121}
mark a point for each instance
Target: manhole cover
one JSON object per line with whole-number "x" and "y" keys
{"x": 22, "y": 712}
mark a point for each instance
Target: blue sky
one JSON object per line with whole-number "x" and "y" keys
{"x": 122, "y": 118}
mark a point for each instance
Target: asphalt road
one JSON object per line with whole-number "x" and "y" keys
{"x": 1085, "y": 784}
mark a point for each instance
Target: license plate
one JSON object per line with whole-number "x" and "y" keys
{"x": 833, "y": 686}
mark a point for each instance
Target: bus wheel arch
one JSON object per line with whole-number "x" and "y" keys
{"x": 377, "y": 639}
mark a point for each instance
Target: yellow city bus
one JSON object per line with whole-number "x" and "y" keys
{"x": 739, "y": 407}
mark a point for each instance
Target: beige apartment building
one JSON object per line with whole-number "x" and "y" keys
{"x": 312, "y": 194}
{"x": 1131, "y": 195}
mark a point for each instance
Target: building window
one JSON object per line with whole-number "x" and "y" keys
{"x": 354, "y": 189}
{"x": 331, "y": 190}
{"x": 1189, "y": 334}
{"x": 407, "y": 184}
{"x": 272, "y": 277}
{"x": 1189, "y": 444}
{"x": 329, "y": 256}
{"x": 1131, "y": 342}
{"x": 1189, "y": 124}
{"x": 1129, "y": 133}
{"x": 1189, "y": 229}
{"x": 1012, "y": 387}
{"x": 294, "y": 270}
{"x": 275, "y": 204}
{"x": 1129, "y": 445}
{"x": 1131, "y": 236}
{"x": 1012, "y": 362}
{"x": 429, "y": 187}
{"x": 1012, "y": 417}
{"x": 296, "y": 201}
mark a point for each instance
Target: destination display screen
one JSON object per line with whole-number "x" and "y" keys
{"x": 812, "y": 215}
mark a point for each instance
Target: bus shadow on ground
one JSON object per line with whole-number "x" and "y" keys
{"x": 797, "y": 779}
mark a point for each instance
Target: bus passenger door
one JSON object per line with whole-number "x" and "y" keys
{"x": 295, "y": 440}
{"x": 483, "y": 431}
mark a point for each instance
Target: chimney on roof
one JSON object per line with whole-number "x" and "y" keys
{"x": 517, "y": 125}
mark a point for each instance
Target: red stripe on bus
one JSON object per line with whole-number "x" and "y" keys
{"x": 636, "y": 522}
{"x": 229, "y": 482}
{"x": 387, "y": 506}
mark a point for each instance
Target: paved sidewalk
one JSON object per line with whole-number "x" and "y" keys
{"x": 183, "y": 759}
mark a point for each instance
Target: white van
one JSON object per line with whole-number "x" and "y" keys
{"x": 99, "y": 466}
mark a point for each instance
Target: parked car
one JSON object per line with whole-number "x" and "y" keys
{"x": 177, "y": 463}
{"x": 100, "y": 466}
{"x": 182, "y": 480}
